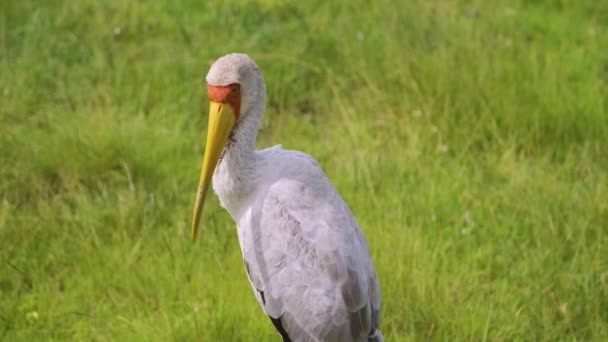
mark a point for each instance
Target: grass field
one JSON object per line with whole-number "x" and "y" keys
{"x": 469, "y": 138}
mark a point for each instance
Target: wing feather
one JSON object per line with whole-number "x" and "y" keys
{"x": 310, "y": 258}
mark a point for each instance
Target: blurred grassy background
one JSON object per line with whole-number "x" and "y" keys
{"x": 468, "y": 137}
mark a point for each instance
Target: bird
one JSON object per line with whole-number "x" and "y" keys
{"x": 305, "y": 255}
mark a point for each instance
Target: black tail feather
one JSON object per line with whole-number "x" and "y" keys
{"x": 279, "y": 326}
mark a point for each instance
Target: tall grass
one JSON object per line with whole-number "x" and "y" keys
{"x": 469, "y": 138}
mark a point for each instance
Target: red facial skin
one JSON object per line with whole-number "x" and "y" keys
{"x": 230, "y": 94}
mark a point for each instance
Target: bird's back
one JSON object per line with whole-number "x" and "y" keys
{"x": 306, "y": 256}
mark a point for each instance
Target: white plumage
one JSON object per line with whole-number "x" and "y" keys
{"x": 305, "y": 255}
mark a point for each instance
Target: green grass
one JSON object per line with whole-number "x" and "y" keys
{"x": 469, "y": 138}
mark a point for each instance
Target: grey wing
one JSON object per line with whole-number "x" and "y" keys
{"x": 310, "y": 265}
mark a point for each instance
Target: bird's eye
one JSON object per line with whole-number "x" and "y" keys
{"x": 234, "y": 89}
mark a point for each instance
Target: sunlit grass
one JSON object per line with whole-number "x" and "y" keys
{"x": 469, "y": 139}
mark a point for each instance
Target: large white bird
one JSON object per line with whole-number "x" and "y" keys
{"x": 305, "y": 255}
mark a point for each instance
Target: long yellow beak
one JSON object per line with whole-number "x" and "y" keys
{"x": 221, "y": 122}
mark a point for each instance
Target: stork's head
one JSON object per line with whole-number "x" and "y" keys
{"x": 236, "y": 80}
{"x": 236, "y": 88}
